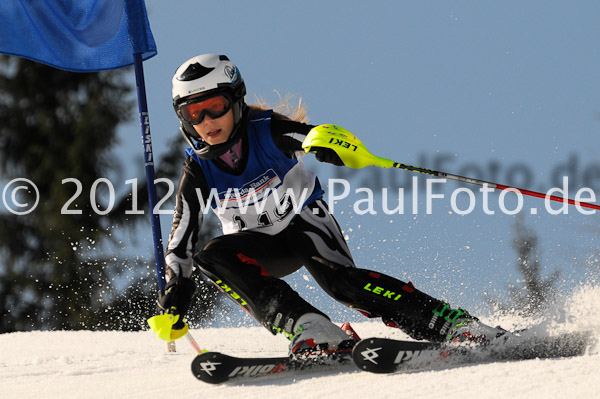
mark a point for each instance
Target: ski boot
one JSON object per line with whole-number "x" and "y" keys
{"x": 315, "y": 333}
{"x": 470, "y": 329}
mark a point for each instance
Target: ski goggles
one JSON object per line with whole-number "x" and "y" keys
{"x": 194, "y": 111}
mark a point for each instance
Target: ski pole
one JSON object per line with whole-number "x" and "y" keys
{"x": 494, "y": 185}
{"x": 195, "y": 345}
{"x": 355, "y": 155}
{"x": 162, "y": 326}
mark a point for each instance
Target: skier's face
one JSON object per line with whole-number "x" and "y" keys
{"x": 217, "y": 130}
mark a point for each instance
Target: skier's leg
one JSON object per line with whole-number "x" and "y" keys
{"x": 398, "y": 303}
{"x": 327, "y": 257}
{"x": 315, "y": 238}
{"x": 402, "y": 305}
{"x": 243, "y": 265}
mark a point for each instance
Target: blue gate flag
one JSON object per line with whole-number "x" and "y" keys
{"x": 76, "y": 35}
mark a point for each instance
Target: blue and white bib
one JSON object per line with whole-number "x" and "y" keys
{"x": 268, "y": 194}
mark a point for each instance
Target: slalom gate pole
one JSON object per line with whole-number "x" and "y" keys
{"x": 150, "y": 177}
{"x": 149, "y": 166}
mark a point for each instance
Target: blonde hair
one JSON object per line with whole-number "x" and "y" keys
{"x": 285, "y": 109}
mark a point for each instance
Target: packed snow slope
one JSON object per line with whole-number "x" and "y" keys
{"x": 88, "y": 364}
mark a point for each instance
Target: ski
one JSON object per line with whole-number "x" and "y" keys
{"x": 382, "y": 355}
{"x": 217, "y": 368}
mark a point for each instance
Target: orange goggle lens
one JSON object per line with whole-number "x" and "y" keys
{"x": 194, "y": 112}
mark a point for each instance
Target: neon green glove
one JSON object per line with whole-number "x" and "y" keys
{"x": 347, "y": 146}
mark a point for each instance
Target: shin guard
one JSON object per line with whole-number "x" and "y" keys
{"x": 397, "y": 303}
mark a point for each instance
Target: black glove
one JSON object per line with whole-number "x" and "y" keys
{"x": 327, "y": 155}
{"x": 176, "y": 298}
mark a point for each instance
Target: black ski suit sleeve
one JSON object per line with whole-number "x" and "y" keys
{"x": 289, "y": 135}
{"x": 187, "y": 221}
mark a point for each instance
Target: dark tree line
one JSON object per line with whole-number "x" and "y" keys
{"x": 62, "y": 271}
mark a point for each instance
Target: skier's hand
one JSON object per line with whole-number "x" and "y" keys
{"x": 327, "y": 155}
{"x": 176, "y": 298}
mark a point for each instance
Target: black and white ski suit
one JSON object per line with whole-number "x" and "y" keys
{"x": 261, "y": 245}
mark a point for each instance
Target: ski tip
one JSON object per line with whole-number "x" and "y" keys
{"x": 371, "y": 355}
{"x": 206, "y": 367}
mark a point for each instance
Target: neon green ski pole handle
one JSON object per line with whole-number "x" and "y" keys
{"x": 349, "y": 148}
{"x": 355, "y": 155}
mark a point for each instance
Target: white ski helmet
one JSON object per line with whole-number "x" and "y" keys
{"x": 209, "y": 75}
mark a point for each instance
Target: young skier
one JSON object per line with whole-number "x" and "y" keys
{"x": 243, "y": 155}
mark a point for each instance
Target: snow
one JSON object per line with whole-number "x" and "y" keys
{"x": 97, "y": 364}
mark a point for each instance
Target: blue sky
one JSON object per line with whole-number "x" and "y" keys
{"x": 503, "y": 91}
